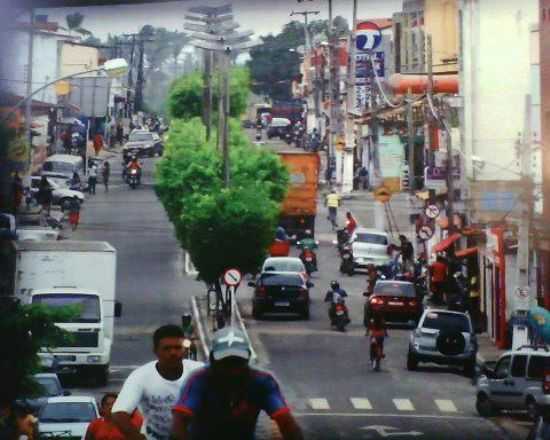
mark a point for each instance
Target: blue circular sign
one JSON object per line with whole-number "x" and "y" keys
{"x": 368, "y": 36}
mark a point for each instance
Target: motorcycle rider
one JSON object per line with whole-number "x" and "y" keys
{"x": 377, "y": 329}
{"x": 334, "y": 296}
{"x": 308, "y": 244}
{"x": 135, "y": 165}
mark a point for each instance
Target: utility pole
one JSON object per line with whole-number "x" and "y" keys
{"x": 208, "y": 67}
{"x": 410, "y": 140}
{"x": 28, "y": 106}
{"x": 332, "y": 122}
{"x": 139, "y": 84}
{"x": 306, "y": 14}
{"x": 347, "y": 172}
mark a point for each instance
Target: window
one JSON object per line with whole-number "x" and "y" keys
{"x": 503, "y": 367}
{"x": 518, "y": 366}
{"x": 73, "y": 412}
{"x": 275, "y": 279}
{"x": 447, "y": 321}
{"x": 536, "y": 367}
{"x": 85, "y": 306}
{"x": 395, "y": 289}
{"x": 371, "y": 238}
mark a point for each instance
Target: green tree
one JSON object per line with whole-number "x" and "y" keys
{"x": 185, "y": 99}
{"x": 24, "y": 330}
{"x": 220, "y": 227}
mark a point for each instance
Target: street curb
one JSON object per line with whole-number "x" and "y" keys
{"x": 200, "y": 329}
{"x": 253, "y": 355}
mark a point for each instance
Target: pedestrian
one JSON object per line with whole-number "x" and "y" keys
{"x": 98, "y": 143}
{"x": 154, "y": 387}
{"x": 407, "y": 254}
{"x": 106, "y": 173}
{"x": 223, "y": 400}
{"x": 74, "y": 213}
{"x": 332, "y": 201}
{"x": 92, "y": 178}
{"x": 104, "y": 428}
{"x": 438, "y": 273}
{"x": 119, "y": 134}
{"x": 351, "y": 223}
{"x": 45, "y": 195}
{"x": 17, "y": 192}
{"x": 364, "y": 177}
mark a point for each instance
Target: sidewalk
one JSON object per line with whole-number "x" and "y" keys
{"x": 488, "y": 351}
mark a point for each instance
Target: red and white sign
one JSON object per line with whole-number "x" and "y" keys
{"x": 232, "y": 277}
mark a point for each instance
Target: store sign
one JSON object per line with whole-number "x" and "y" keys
{"x": 363, "y": 65}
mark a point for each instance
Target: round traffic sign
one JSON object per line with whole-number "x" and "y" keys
{"x": 232, "y": 277}
{"x": 382, "y": 194}
{"x": 432, "y": 211}
{"x": 368, "y": 36}
{"x": 425, "y": 233}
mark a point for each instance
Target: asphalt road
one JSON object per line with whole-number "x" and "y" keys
{"x": 324, "y": 374}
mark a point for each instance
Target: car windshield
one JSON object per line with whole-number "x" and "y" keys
{"x": 140, "y": 137}
{"x": 394, "y": 289}
{"x": 59, "y": 167}
{"x": 274, "y": 279}
{"x": 283, "y": 266}
{"x": 67, "y": 412}
{"x": 49, "y": 385}
{"x": 85, "y": 308}
{"x": 446, "y": 321}
{"x": 365, "y": 237}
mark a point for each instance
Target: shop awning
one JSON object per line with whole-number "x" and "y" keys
{"x": 443, "y": 245}
{"x": 463, "y": 253}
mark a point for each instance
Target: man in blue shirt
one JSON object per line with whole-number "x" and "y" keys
{"x": 224, "y": 399}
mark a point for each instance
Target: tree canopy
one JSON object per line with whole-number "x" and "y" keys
{"x": 273, "y": 66}
{"x": 185, "y": 99}
{"x": 220, "y": 227}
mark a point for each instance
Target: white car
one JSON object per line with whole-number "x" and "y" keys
{"x": 67, "y": 416}
{"x": 61, "y": 193}
{"x": 369, "y": 246}
{"x": 284, "y": 264}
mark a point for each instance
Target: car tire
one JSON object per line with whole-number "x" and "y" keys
{"x": 305, "y": 314}
{"x": 484, "y": 406}
{"x": 412, "y": 362}
{"x": 65, "y": 204}
{"x": 450, "y": 343}
{"x": 470, "y": 367}
{"x": 151, "y": 153}
{"x": 532, "y": 408}
{"x": 256, "y": 313}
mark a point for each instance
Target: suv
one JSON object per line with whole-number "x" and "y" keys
{"x": 515, "y": 382}
{"x": 443, "y": 337}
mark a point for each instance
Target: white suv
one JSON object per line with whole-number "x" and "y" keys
{"x": 515, "y": 382}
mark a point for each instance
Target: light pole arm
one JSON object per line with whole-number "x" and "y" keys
{"x": 24, "y": 100}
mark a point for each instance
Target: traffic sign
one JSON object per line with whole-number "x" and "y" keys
{"x": 232, "y": 277}
{"x": 368, "y": 36}
{"x": 432, "y": 211}
{"x": 425, "y": 233}
{"x": 382, "y": 194}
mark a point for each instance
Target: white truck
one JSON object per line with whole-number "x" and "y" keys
{"x": 81, "y": 274}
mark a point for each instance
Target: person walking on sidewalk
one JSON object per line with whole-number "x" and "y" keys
{"x": 224, "y": 399}
{"x": 332, "y": 201}
{"x": 364, "y": 178}
{"x": 74, "y": 213}
{"x": 92, "y": 179}
{"x": 155, "y": 387}
{"x": 106, "y": 173}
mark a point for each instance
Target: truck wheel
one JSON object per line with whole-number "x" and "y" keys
{"x": 305, "y": 313}
{"x": 101, "y": 374}
{"x": 484, "y": 406}
{"x": 412, "y": 362}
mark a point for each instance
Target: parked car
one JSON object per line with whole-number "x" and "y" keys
{"x": 63, "y": 165}
{"x": 278, "y": 127}
{"x": 515, "y": 382}
{"x": 70, "y": 415}
{"x": 396, "y": 300}
{"x": 443, "y": 337}
{"x": 284, "y": 264}
{"x": 280, "y": 292}
{"x": 50, "y": 387}
{"x": 62, "y": 195}
{"x": 369, "y": 246}
{"x": 143, "y": 143}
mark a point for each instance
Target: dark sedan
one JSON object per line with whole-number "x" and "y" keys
{"x": 280, "y": 292}
{"x": 396, "y": 300}
{"x": 143, "y": 144}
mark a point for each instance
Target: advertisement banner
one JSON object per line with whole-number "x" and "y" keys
{"x": 391, "y": 156}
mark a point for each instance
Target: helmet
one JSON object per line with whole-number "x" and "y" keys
{"x": 307, "y": 232}
{"x": 134, "y": 157}
{"x": 334, "y": 285}
{"x": 186, "y": 319}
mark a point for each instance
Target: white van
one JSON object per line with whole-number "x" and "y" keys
{"x": 63, "y": 166}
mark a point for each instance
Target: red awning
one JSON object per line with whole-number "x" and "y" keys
{"x": 463, "y": 253}
{"x": 444, "y": 244}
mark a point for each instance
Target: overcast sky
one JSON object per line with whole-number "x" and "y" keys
{"x": 261, "y": 16}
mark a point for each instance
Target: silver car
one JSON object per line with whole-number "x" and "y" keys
{"x": 514, "y": 382}
{"x": 443, "y": 337}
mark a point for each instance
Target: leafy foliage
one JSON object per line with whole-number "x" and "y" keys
{"x": 220, "y": 227}
{"x": 273, "y": 66}
{"x": 24, "y": 330}
{"x": 185, "y": 99}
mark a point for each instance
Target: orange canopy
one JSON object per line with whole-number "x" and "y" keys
{"x": 462, "y": 253}
{"x": 443, "y": 245}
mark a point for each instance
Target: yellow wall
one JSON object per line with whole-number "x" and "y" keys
{"x": 441, "y": 22}
{"x": 76, "y": 58}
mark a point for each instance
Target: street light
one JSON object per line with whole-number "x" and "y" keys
{"x": 113, "y": 68}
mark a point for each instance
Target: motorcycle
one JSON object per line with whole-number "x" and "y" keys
{"x": 133, "y": 178}
{"x": 342, "y": 239}
{"x": 376, "y": 354}
{"x": 309, "y": 259}
{"x": 347, "y": 265}
{"x": 341, "y": 317}
{"x": 288, "y": 138}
